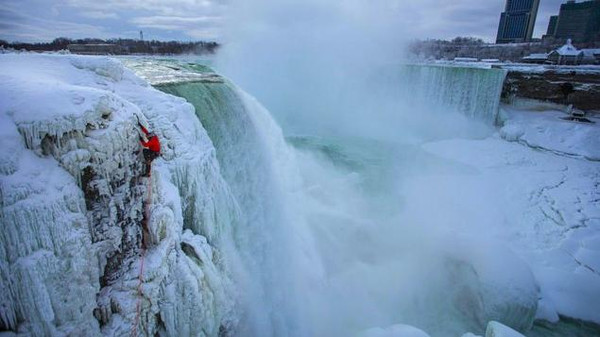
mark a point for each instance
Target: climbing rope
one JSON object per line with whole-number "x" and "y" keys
{"x": 138, "y": 309}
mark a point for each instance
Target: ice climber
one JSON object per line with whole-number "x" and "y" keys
{"x": 151, "y": 146}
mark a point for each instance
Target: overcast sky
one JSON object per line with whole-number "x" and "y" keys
{"x": 184, "y": 20}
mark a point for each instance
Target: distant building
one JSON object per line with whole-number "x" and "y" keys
{"x": 536, "y": 58}
{"x": 517, "y": 21}
{"x": 552, "y": 25}
{"x": 95, "y": 49}
{"x": 566, "y": 55}
{"x": 591, "y": 56}
{"x": 579, "y": 21}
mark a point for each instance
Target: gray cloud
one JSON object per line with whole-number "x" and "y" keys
{"x": 18, "y": 26}
{"x": 34, "y": 20}
{"x": 157, "y": 7}
{"x": 99, "y": 15}
{"x": 175, "y": 22}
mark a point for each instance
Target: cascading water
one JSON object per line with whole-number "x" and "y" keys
{"x": 474, "y": 92}
{"x": 308, "y": 228}
{"x": 247, "y": 169}
{"x": 259, "y": 168}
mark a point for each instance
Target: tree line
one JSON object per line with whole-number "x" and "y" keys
{"x": 126, "y": 46}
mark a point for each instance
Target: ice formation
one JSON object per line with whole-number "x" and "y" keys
{"x": 548, "y": 132}
{"x": 495, "y": 329}
{"x": 73, "y": 201}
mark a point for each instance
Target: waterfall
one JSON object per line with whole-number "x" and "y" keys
{"x": 259, "y": 168}
{"x": 474, "y": 92}
{"x": 301, "y": 234}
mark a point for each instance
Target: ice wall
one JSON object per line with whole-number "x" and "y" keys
{"x": 73, "y": 203}
{"x": 472, "y": 91}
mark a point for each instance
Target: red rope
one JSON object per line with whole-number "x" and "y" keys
{"x": 138, "y": 308}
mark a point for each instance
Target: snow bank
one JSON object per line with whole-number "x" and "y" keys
{"x": 545, "y": 130}
{"x": 73, "y": 201}
{"x": 398, "y": 330}
{"x": 492, "y": 283}
{"x": 469, "y": 334}
{"x": 543, "y": 204}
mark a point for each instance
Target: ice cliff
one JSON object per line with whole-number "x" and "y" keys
{"x": 73, "y": 201}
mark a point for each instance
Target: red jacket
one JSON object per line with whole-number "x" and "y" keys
{"x": 153, "y": 143}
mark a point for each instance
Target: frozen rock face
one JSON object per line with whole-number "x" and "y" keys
{"x": 46, "y": 242}
{"x": 579, "y": 87}
{"x": 73, "y": 204}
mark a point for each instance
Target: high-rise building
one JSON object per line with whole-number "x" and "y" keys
{"x": 552, "y": 25}
{"x": 579, "y": 21}
{"x": 517, "y": 21}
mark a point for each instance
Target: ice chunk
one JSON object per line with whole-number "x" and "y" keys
{"x": 102, "y": 66}
{"x": 495, "y": 329}
{"x": 492, "y": 283}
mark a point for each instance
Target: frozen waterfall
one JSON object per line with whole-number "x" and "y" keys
{"x": 72, "y": 203}
{"x": 250, "y": 234}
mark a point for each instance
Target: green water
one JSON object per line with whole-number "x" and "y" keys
{"x": 566, "y": 327}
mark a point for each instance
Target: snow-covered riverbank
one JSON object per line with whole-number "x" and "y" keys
{"x": 542, "y": 175}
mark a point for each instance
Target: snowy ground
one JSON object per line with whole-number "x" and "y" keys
{"x": 542, "y": 176}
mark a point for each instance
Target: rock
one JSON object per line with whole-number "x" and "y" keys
{"x": 554, "y": 86}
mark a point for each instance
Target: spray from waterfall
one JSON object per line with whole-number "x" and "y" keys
{"x": 322, "y": 67}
